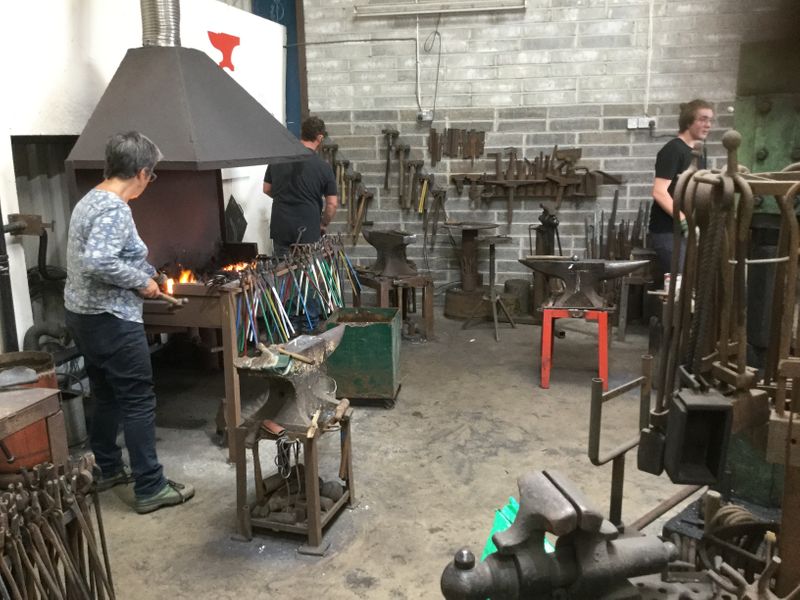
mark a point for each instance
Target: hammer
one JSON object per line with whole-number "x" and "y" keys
{"x": 364, "y": 199}
{"x": 427, "y": 184}
{"x": 329, "y": 153}
{"x": 512, "y": 163}
{"x": 344, "y": 164}
{"x": 391, "y": 136}
{"x": 355, "y": 180}
{"x": 474, "y": 192}
{"x": 458, "y": 182}
{"x": 403, "y": 151}
{"x": 172, "y": 299}
{"x": 414, "y": 171}
{"x": 439, "y": 198}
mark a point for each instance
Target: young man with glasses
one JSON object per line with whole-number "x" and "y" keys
{"x": 694, "y": 122}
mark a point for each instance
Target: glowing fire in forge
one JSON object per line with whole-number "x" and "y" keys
{"x": 186, "y": 276}
{"x": 241, "y": 266}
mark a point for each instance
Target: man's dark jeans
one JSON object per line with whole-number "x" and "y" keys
{"x": 121, "y": 377}
{"x": 662, "y": 244}
{"x": 299, "y": 322}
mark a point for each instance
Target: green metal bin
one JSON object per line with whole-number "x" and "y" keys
{"x": 366, "y": 365}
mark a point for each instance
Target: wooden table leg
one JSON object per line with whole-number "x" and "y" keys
{"x": 57, "y": 437}
{"x": 427, "y": 308}
{"x": 347, "y": 458}
{"x": 383, "y": 294}
{"x": 233, "y": 416}
{"x": 240, "y": 461}
{"x": 313, "y": 515}
{"x": 622, "y": 320}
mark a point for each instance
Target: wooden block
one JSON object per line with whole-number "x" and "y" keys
{"x": 20, "y": 408}
{"x": 776, "y": 439}
{"x": 789, "y": 367}
{"x": 57, "y": 433}
{"x": 750, "y": 409}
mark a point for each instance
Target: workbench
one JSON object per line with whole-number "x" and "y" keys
{"x": 400, "y": 285}
{"x": 213, "y": 308}
{"x": 316, "y": 519}
{"x": 25, "y": 407}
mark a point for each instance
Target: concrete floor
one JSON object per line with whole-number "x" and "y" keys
{"x": 429, "y": 473}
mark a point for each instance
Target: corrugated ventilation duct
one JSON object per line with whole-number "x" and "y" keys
{"x": 161, "y": 22}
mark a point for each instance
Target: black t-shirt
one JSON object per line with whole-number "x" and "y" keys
{"x": 298, "y": 191}
{"x": 672, "y": 160}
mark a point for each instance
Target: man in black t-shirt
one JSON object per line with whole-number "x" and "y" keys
{"x": 674, "y": 158}
{"x": 303, "y": 193}
{"x": 304, "y": 201}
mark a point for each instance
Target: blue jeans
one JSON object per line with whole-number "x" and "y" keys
{"x": 299, "y": 322}
{"x": 662, "y": 244}
{"x": 118, "y": 365}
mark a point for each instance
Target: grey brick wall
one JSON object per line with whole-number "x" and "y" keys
{"x": 564, "y": 72}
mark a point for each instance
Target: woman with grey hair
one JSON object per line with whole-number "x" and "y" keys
{"x": 107, "y": 277}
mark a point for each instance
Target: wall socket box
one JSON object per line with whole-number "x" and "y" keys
{"x": 640, "y": 122}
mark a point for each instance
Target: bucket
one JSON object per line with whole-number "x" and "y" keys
{"x": 30, "y": 445}
{"x": 74, "y": 417}
{"x": 41, "y": 362}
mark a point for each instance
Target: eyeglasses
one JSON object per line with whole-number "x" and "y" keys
{"x": 152, "y": 177}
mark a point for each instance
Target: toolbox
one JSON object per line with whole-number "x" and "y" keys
{"x": 366, "y": 365}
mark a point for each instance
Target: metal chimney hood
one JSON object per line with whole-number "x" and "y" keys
{"x": 196, "y": 113}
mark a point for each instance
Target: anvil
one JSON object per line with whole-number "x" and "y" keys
{"x": 580, "y": 277}
{"x": 391, "y": 246}
{"x": 297, "y": 392}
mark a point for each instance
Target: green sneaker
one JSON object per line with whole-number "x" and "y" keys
{"x": 171, "y": 494}
{"x": 119, "y": 478}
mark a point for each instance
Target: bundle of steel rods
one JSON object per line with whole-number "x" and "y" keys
{"x": 275, "y": 291}
{"x": 611, "y": 240}
{"x": 50, "y": 547}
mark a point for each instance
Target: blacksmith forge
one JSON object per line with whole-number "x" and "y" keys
{"x": 202, "y": 121}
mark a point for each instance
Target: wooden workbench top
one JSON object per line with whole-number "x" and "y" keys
{"x": 20, "y": 408}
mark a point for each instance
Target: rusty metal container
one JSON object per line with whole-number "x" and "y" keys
{"x": 366, "y": 365}
{"x": 30, "y": 445}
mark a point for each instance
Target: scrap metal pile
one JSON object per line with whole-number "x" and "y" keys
{"x": 50, "y": 547}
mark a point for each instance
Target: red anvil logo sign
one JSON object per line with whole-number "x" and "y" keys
{"x": 225, "y": 43}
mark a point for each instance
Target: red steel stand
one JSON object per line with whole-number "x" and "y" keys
{"x": 549, "y": 316}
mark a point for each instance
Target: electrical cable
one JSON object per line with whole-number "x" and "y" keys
{"x": 649, "y": 57}
{"x": 427, "y": 46}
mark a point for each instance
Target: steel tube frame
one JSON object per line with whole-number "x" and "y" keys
{"x": 618, "y": 454}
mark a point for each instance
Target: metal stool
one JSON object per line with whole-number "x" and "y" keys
{"x": 494, "y": 298}
{"x": 549, "y": 315}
